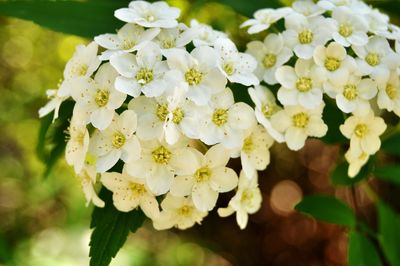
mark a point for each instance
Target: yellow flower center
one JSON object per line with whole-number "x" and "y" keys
{"x": 193, "y": 76}
{"x": 127, "y": 44}
{"x": 161, "y": 155}
{"x": 162, "y": 111}
{"x": 202, "y": 174}
{"x": 361, "y": 130}
{"x": 372, "y": 59}
{"x": 229, "y": 69}
{"x": 150, "y": 17}
{"x": 80, "y": 70}
{"x": 137, "y": 189}
{"x": 220, "y": 117}
{"x": 144, "y": 75}
{"x": 248, "y": 145}
{"x": 167, "y": 44}
{"x": 269, "y": 60}
{"x": 185, "y": 211}
{"x": 268, "y": 109}
{"x": 247, "y": 197}
{"x": 305, "y": 37}
{"x": 304, "y": 84}
{"x": 332, "y": 63}
{"x": 345, "y": 30}
{"x": 350, "y": 92}
{"x": 177, "y": 115}
{"x": 391, "y": 91}
{"x": 102, "y": 97}
{"x": 300, "y": 120}
{"x": 118, "y": 140}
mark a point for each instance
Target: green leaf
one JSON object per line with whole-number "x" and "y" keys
{"x": 389, "y": 233}
{"x": 333, "y": 118}
{"x": 111, "y": 229}
{"x": 248, "y": 7}
{"x": 362, "y": 251}
{"x": 86, "y": 19}
{"x": 327, "y": 209}
{"x": 390, "y": 173}
{"x": 339, "y": 175}
{"x": 392, "y": 145}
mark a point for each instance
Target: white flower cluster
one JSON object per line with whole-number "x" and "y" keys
{"x": 157, "y": 100}
{"x": 342, "y": 49}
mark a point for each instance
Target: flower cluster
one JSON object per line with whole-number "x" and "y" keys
{"x": 156, "y": 102}
{"x": 343, "y": 52}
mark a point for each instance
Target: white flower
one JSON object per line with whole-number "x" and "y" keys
{"x": 130, "y": 193}
{"x": 264, "y": 18}
{"x": 237, "y": 67}
{"x": 377, "y": 21}
{"x": 307, "y": 8}
{"x": 300, "y": 85}
{"x": 116, "y": 141}
{"x": 226, "y": 122}
{"x": 141, "y": 72}
{"x": 265, "y": 107}
{"x": 149, "y": 15}
{"x": 376, "y": 58}
{"x": 303, "y": 34}
{"x": 333, "y": 61}
{"x": 202, "y": 34}
{"x": 208, "y": 177}
{"x": 159, "y": 162}
{"x": 83, "y": 63}
{"x": 183, "y": 118}
{"x": 363, "y": 132}
{"x": 78, "y": 143}
{"x": 173, "y": 38}
{"x": 297, "y": 123}
{"x": 254, "y": 154}
{"x": 199, "y": 71}
{"x": 128, "y": 39}
{"x": 270, "y": 55}
{"x": 87, "y": 177}
{"x": 389, "y": 94}
{"x": 98, "y": 98}
{"x": 178, "y": 212}
{"x": 360, "y": 6}
{"x": 354, "y": 93}
{"x": 351, "y": 28}
{"x": 247, "y": 200}
{"x": 356, "y": 159}
{"x": 53, "y": 105}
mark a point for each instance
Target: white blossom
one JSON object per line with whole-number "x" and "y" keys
{"x": 247, "y": 200}
{"x": 87, "y": 177}
{"x": 363, "y": 132}
{"x": 117, "y": 141}
{"x": 208, "y": 177}
{"x": 130, "y": 193}
{"x": 300, "y": 85}
{"x": 98, "y": 98}
{"x": 143, "y": 72}
{"x": 226, "y": 122}
{"x": 270, "y": 55}
{"x": 303, "y": 34}
{"x": 389, "y": 94}
{"x": 202, "y": 34}
{"x": 297, "y": 123}
{"x": 127, "y": 39}
{"x": 264, "y": 18}
{"x": 178, "y": 212}
{"x": 149, "y": 15}
{"x": 265, "y": 107}
{"x": 356, "y": 159}
{"x": 237, "y": 67}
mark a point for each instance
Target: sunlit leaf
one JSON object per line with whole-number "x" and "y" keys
{"x": 86, "y": 19}
{"x": 390, "y": 173}
{"x": 327, "y": 209}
